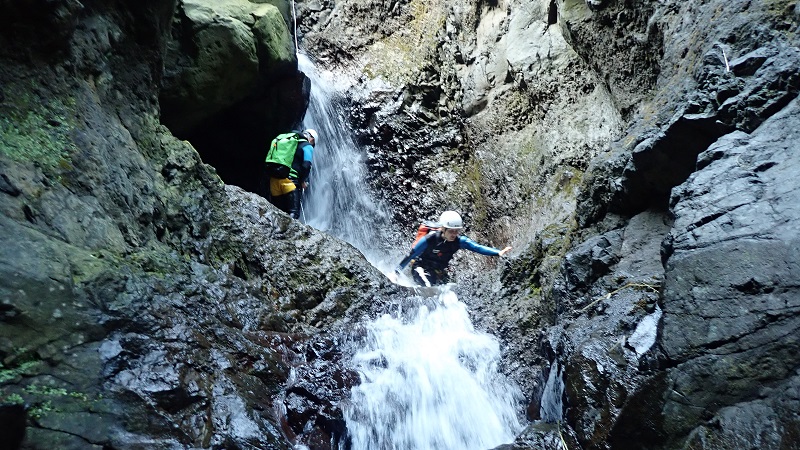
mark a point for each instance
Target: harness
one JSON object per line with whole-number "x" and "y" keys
{"x": 438, "y": 253}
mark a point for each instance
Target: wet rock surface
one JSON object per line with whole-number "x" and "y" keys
{"x": 746, "y": 299}
{"x": 672, "y": 82}
{"x": 640, "y": 156}
{"x": 144, "y": 302}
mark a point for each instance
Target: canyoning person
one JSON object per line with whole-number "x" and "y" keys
{"x": 431, "y": 253}
{"x": 287, "y": 167}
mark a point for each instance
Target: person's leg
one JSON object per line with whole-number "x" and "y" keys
{"x": 424, "y": 276}
{"x": 440, "y": 276}
{"x": 294, "y": 203}
{"x": 418, "y": 277}
{"x": 283, "y": 202}
{"x": 263, "y": 186}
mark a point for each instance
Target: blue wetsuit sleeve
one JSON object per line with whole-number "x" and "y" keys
{"x": 308, "y": 155}
{"x": 308, "y": 152}
{"x": 471, "y": 245}
{"x": 415, "y": 252}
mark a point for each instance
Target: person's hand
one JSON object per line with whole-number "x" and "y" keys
{"x": 393, "y": 276}
{"x": 305, "y": 184}
{"x": 504, "y": 251}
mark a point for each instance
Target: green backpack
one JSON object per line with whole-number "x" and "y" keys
{"x": 281, "y": 155}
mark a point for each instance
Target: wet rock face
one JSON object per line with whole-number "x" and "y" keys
{"x": 144, "y": 302}
{"x": 311, "y": 402}
{"x": 619, "y": 41}
{"x": 402, "y": 100}
{"x": 725, "y": 256}
{"x": 470, "y": 116}
{"x": 739, "y": 253}
{"x": 636, "y": 101}
{"x": 730, "y": 80}
{"x": 541, "y": 436}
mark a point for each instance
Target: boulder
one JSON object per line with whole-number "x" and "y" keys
{"x": 220, "y": 54}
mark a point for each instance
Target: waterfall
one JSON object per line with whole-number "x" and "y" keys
{"x": 552, "y": 394}
{"x": 338, "y": 199}
{"x": 430, "y": 382}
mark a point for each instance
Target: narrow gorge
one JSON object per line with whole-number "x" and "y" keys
{"x": 641, "y": 157}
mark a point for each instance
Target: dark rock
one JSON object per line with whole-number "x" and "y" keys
{"x": 192, "y": 311}
{"x": 542, "y": 436}
{"x": 729, "y": 282}
{"x": 747, "y": 65}
{"x": 8, "y": 187}
{"x": 592, "y": 259}
{"x": 13, "y": 419}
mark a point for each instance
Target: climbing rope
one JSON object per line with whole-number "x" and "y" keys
{"x": 294, "y": 18}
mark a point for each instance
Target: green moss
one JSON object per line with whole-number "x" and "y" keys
{"x": 781, "y": 6}
{"x": 40, "y": 399}
{"x": 13, "y": 373}
{"x": 555, "y": 239}
{"x": 402, "y": 55}
{"x": 157, "y": 262}
{"x": 274, "y": 38}
{"x": 48, "y": 391}
{"x": 37, "y": 130}
{"x": 529, "y": 148}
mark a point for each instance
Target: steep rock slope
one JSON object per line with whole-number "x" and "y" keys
{"x": 144, "y": 303}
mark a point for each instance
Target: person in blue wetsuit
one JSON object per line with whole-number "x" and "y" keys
{"x": 431, "y": 255}
{"x": 287, "y": 193}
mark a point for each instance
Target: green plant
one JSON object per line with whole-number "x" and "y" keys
{"x": 41, "y": 399}
{"x": 36, "y": 389}
{"x": 473, "y": 182}
{"x": 40, "y": 410}
{"x": 14, "y": 398}
{"x": 9, "y": 374}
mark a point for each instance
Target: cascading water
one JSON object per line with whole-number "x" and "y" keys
{"x": 338, "y": 199}
{"x": 552, "y": 404}
{"x": 430, "y": 383}
{"x": 429, "y": 380}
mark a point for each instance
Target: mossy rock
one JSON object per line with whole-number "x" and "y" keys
{"x": 36, "y": 130}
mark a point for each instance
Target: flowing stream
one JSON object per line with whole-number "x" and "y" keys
{"x": 552, "y": 394}
{"x": 429, "y": 380}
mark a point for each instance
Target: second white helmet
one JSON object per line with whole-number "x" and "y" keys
{"x": 450, "y": 219}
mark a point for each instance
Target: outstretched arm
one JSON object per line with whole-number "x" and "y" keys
{"x": 471, "y": 245}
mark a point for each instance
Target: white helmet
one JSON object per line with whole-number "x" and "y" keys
{"x": 450, "y": 219}
{"x": 312, "y": 133}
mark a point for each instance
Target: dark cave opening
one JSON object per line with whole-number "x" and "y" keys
{"x": 665, "y": 161}
{"x": 235, "y": 141}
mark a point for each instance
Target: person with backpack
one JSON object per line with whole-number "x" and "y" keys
{"x": 431, "y": 253}
{"x": 287, "y": 167}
